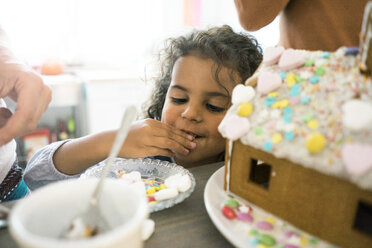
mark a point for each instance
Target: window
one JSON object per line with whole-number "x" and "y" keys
{"x": 260, "y": 173}
{"x": 363, "y": 218}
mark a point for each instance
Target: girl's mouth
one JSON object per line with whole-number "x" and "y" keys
{"x": 196, "y": 136}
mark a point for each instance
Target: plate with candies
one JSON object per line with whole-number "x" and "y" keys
{"x": 165, "y": 184}
{"x": 248, "y": 226}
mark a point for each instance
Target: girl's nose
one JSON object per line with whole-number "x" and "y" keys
{"x": 192, "y": 113}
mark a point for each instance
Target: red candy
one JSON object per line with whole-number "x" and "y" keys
{"x": 150, "y": 198}
{"x": 228, "y": 212}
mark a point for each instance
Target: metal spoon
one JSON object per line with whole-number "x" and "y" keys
{"x": 92, "y": 217}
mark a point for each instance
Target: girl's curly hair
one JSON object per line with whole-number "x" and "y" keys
{"x": 237, "y": 51}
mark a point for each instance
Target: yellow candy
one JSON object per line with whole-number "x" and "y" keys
{"x": 303, "y": 241}
{"x": 315, "y": 142}
{"x": 312, "y": 124}
{"x": 284, "y": 103}
{"x": 162, "y": 186}
{"x": 276, "y": 105}
{"x": 291, "y": 79}
{"x": 277, "y": 138}
{"x": 272, "y": 94}
{"x": 271, "y": 220}
{"x": 150, "y": 190}
{"x": 245, "y": 109}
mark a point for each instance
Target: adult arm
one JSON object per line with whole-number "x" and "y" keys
{"x": 255, "y": 14}
{"x": 19, "y": 82}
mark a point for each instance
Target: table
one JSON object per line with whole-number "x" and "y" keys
{"x": 184, "y": 225}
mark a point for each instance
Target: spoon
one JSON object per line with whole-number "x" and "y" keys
{"x": 87, "y": 223}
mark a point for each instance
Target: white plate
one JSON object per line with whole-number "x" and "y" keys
{"x": 150, "y": 169}
{"x": 237, "y": 232}
{"x": 214, "y": 196}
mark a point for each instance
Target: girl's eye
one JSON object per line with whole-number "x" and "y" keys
{"x": 213, "y": 108}
{"x": 179, "y": 100}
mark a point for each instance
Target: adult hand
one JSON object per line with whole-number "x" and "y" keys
{"x": 149, "y": 137}
{"x": 27, "y": 89}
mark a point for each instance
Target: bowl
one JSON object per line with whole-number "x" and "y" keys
{"x": 38, "y": 220}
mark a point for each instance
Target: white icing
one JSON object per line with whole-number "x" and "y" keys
{"x": 340, "y": 83}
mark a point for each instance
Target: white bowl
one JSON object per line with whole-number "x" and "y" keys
{"x": 38, "y": 220}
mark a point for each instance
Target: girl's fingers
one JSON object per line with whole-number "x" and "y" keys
{"x": 165, "y": 143}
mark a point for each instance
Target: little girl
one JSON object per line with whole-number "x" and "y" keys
{"x": 191, "y": 95}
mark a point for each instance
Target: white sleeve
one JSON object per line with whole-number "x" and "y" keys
{"x": 40, "y": 170}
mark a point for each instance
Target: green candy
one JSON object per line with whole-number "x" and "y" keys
{"x": 232, "y": 203}
{"x": 307, "y": 117}
{"x": 258, "y": 131}
{"x": 253, "y": 232}
{"x": 309, "y": 63}
{"x": 319, "y": 71}
{"x": 266, "y": 240}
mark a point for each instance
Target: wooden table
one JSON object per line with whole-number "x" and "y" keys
{"x": 184, "y": 225}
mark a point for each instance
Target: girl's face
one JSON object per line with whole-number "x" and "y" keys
{"x": 196, "y": 104}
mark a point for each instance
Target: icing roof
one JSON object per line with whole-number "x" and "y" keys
{"x": 319, "y": 115}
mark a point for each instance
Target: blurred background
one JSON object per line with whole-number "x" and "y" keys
{"x": 97, "y": 55}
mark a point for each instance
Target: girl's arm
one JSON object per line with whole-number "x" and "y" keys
{"x": 255, "y": 14}
{"x": 146, "y": 138}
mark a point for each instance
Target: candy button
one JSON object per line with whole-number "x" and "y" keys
{"x": 273, "y": 94}
{"x": 245, "y": 109}
{"x": 326, "y": 55}
{"x": 305, "y": 99}
{"x": 314, "y": 79}
{"x": 299, "y": 79}
{"x": 312, "y": 124}
{"x": 291, "y": 79}
{"x": 309, "y": 62}
{"x": 270, "y": 220}
{"x": 277, "y": 138}
{"x": 313, "y": 241}
{"x": 289, "y": 135}
{"x": 228, "y": 212}
{"x": 150, "y": 198}
{"x": 319, "y": 71}
{"x": 264, "y": 225}
{"x": 245, "y": 209}
{"x": 246, "y": 217}
{"x": 150, "y": 190}
{"x": 254, "y": 232}
{"x": 303, "y": 241}
{"x": 307, "y": 117}
{"x": 289, "y": 234}
{"x": 266, "y": 239}
{"x": 290, "y": 246}
{"x": 232, "y": 203}
{"x": 268, "y": 146}
{"x": 282, "y": 75}
{"x": 315, "y": 142}
{"x": 253, "y": 242}
{"x": 258, "y": 131}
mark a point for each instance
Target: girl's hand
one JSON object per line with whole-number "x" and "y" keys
{"x": 149, "y": 137}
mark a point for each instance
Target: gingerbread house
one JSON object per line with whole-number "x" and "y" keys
{"x": 300, "y": 140}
